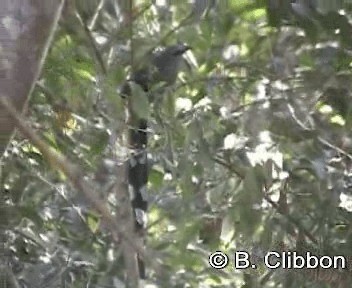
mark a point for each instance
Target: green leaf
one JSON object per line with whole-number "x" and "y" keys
{"x": 140, "y": 103}
{"x": 93, "y": 222}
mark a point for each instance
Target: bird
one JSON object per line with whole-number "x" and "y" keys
{"x": 162, "y": 67}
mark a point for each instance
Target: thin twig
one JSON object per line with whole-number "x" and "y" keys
{"x": 92, "y": 23}
{"x": 96, "y": 51}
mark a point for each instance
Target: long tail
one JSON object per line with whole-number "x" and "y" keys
{"x": 138, "y": 163}
{"x": 138, "y": 179}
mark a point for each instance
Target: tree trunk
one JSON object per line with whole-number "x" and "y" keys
{"x": 26, "y": 29}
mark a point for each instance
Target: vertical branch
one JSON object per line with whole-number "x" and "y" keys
{"x": 137, "y": 143}
{"x": 125, "y": 209}
{"x": 3, "y": 256}
{"x": 125, "y": 214}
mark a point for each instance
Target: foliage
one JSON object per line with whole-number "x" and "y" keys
{"x": 251, "y": 147}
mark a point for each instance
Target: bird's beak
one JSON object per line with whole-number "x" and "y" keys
{"x": 182, "y": 48}
{"x": 186, "y": 48}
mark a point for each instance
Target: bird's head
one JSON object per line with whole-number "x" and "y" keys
{"x": 167, "y": 61}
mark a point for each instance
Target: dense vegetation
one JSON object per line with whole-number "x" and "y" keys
{"x": 251, "y": 147}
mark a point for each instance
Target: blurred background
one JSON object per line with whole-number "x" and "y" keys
{"x": 250, "y": 149}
